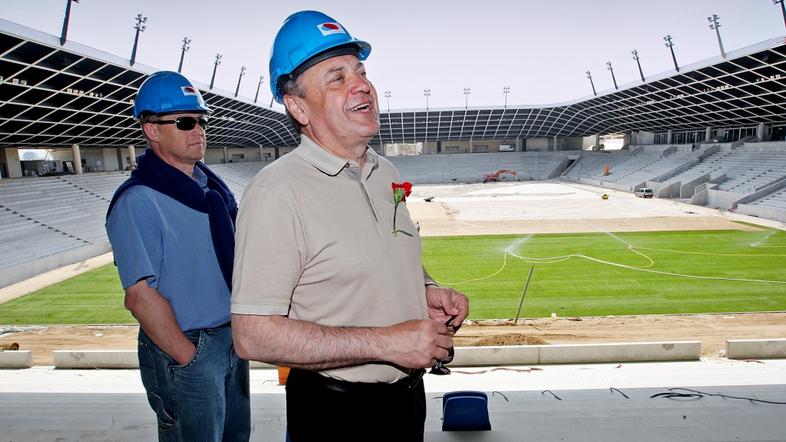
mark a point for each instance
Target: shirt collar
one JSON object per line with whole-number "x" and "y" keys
{"x": 200, "y": 177}
{"x": 325, "y": 161}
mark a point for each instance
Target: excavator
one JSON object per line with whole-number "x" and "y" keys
{"x": 500, "y": 175}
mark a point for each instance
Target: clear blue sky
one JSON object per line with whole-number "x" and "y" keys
{"x": 540, "y": 49}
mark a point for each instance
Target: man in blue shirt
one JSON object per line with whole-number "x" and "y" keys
{"x": 171, "y": 226}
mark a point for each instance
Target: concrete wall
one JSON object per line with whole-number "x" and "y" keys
{"x": 473, "y": 146}
{"x": 236, "y": 155}
{"x": 20, "y": 272}
{"x": 571, "y": 143}
{"x": 449, "y": 147}
{"x": 109, "y": 158}
{"x": 721, "y": 199}
{"x": 538, "y": 144}
{"x": 756, "y": 348}
{"x": 762, "y": 212}
{"x": 645, "y": 137}
{"x": 12, "y": 162}
{"x": 3, "y": 163}
{"x": 214, "y": 156}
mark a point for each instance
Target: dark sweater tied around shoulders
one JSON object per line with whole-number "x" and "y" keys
{"x": 218, "y": 202}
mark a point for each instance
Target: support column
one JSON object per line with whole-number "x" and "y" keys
{"x": 226, "y": 155}
{"x": 518, "y": 144}
{"x": 556, "y": 146}
{"x": 278, "y": 152}
{"x": 597, "y": 141}
{"x": 669, "y": 136}
{"x": 76, "y": 156}
{"x": 707, "y": 134}
{"x": 761, "y": 132}
{"x": 132, "y": 156}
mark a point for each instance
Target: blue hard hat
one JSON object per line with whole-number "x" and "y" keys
{"x": 167, "y": 92}
{"x": 303, "y": 37}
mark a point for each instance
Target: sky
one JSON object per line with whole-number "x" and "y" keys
{"x": 540, "y": 50}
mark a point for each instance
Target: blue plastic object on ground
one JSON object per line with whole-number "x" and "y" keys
{"x": 465, "y": 411}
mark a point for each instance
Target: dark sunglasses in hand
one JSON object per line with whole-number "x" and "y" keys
{"x": 185, "y": 123}
{"x": 441, "y": 367}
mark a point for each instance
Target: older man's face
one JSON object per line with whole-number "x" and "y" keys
{"x": 340, "y": 102}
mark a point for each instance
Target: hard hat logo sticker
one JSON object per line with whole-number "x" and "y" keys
{"x": 330, "y": 28}
{"x": 189, "y": 90}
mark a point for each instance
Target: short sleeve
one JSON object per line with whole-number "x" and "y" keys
{"x": 268, "y": 254}
{"x": 134, "y": 232}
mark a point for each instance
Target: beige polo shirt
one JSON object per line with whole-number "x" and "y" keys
{"x": 315, "y": 242}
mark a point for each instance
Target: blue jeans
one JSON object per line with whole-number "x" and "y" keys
{"x": 207, "y": 399}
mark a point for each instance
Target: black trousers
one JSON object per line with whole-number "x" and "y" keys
{"x": 322, "y": 409}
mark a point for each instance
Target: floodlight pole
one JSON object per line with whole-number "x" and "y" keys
{"x": 589, "y": 75}
{"x": 467, "y": 91}
{"x": 259, "y": 85}
{"x": 239, "y": 79}
{"x": 183, "y": 49}
{"x": 387, "y": 96}
{"x": 426, "y": 93}
{"x": 66, "y": 19}
{"x": 670, "y": 45}
{"x": 215, "y": 67}
{"x": 614, "y": 79}
{"x": 506, "y": 91}
{"x": 783, "y": 9}
{"x": 636, "y": 57}
{"x": 715, "y": 25}
{"x": 140, "y": 27}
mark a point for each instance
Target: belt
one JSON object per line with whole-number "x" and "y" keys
{"x": 306, "y": 378}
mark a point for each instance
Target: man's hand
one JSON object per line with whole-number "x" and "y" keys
{"x": 157, "y": 319}
{"x": 443, "y": 303}
{"x": 418, "y": 343}
{"x": 283, "y": 341}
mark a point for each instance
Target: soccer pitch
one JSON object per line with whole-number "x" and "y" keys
{"x": 582, "y": 274}
{"x": 614, "y": 273}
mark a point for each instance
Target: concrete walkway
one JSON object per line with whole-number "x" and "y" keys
{"x": 42, "y": 403}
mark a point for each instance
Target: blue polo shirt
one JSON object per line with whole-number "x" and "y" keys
{"x": 156, "y": 238}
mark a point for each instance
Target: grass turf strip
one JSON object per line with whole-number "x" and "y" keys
{"x": 593, "y": 274}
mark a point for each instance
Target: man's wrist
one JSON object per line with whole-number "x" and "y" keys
{"x": 431, "y": 284}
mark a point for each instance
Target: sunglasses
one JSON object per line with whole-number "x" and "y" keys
{"x": 185, "y": 123}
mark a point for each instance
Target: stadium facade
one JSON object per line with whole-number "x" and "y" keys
{"x": 73, "y": 96}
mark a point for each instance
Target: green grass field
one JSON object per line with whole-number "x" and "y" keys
{"x": 574, "y": 275}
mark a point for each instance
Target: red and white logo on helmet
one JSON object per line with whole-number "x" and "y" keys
{"x": 330, "y": 28}
{"x": 189, "y": 90}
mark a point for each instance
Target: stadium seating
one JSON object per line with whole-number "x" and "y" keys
{"x": 471, "y": 167}
{"x": 50, "y": 221}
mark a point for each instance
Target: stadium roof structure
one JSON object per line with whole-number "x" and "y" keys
{"x": 53, "y": 95}
{"x": 746, "y": 88}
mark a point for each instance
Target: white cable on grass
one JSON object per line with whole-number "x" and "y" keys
{"x": 631, "y": 247}
{"x": 766, "y": 237}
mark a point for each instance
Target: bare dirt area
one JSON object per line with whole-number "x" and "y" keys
{"x": 711, "y": 330}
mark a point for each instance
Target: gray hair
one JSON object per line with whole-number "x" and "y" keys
{"x": 292, "y": 86}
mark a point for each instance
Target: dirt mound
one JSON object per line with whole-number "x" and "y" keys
{"x": 509, "y": 339}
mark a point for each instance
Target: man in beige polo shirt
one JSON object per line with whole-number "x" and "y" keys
{"x": 325, "y": 281}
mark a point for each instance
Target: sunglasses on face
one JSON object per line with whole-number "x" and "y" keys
{"x": 185, "y": 123}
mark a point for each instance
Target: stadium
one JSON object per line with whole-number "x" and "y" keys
{"x": 526, "y": 209}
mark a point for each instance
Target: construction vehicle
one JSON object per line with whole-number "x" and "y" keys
{"x": 500, "y": 175}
